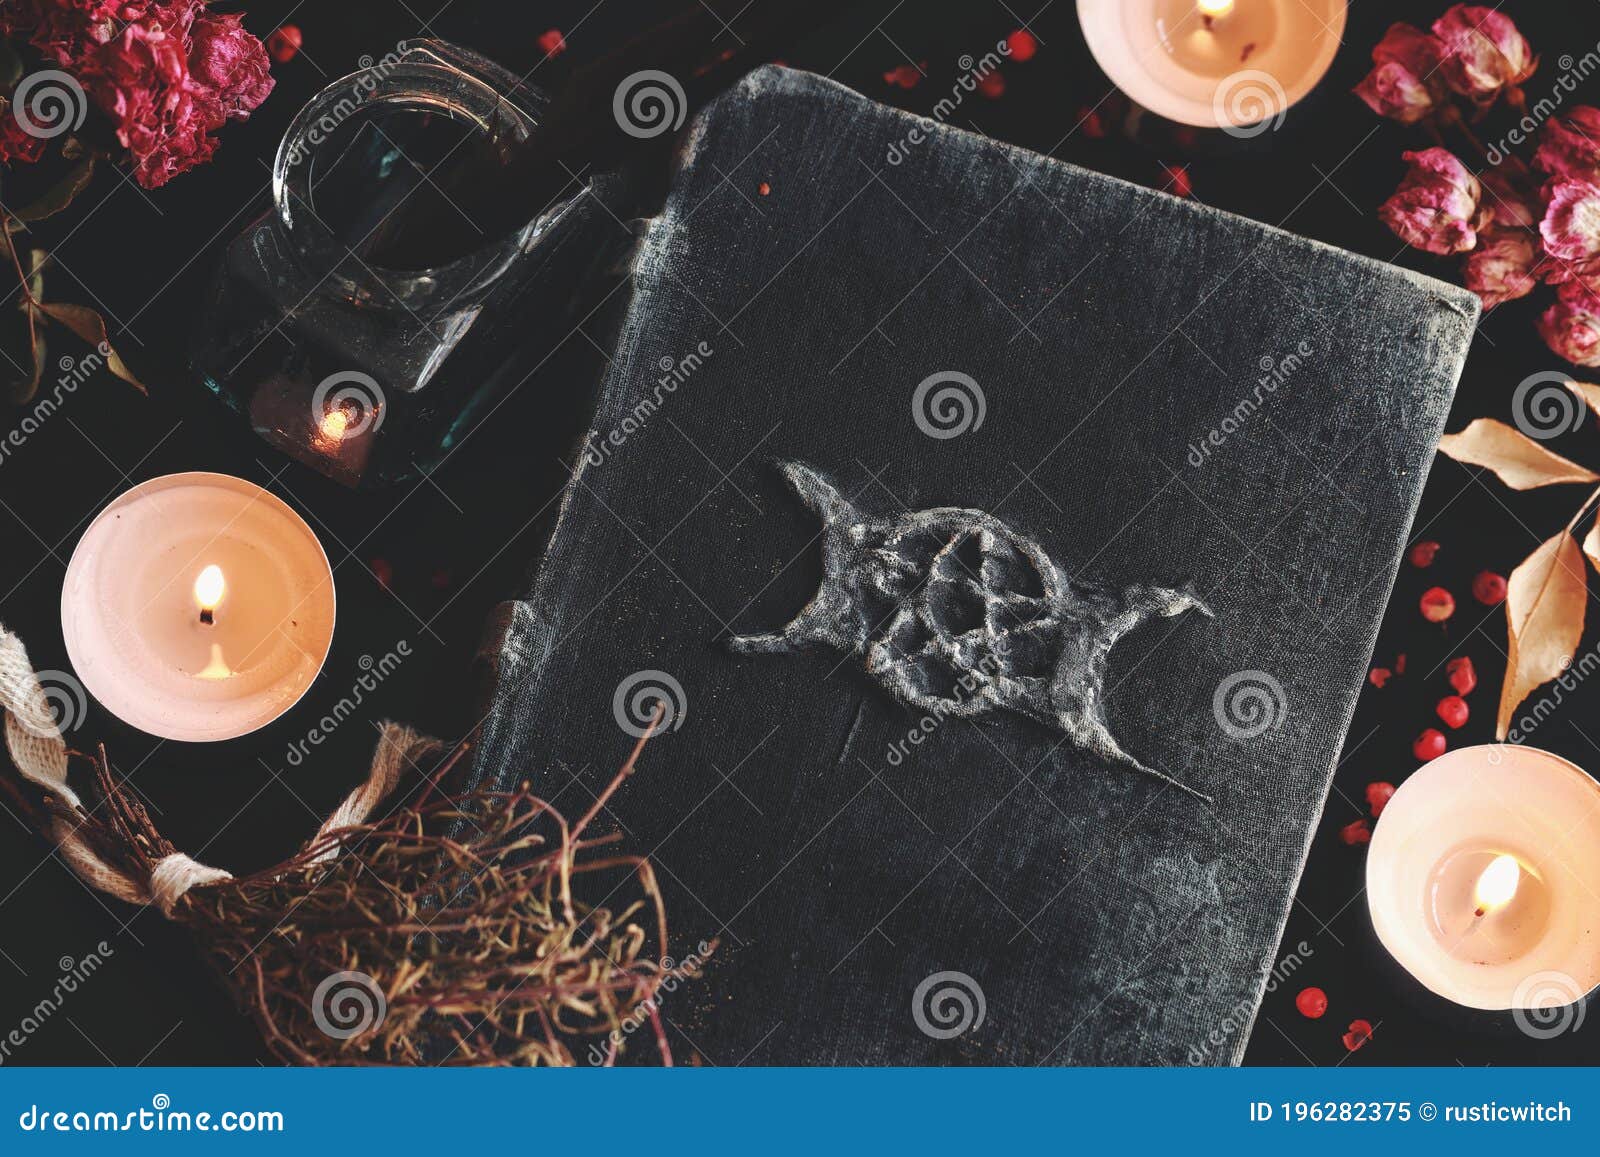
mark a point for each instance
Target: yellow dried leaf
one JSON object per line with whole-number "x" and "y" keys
{"x": 1517, "y": 460}
{"x": 1544, "y": 615}
{"x": 1589, "y": 393}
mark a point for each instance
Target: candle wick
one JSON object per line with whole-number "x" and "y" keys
{"x": 207, "y": 616}
{"x": 1479, "y": 913}
{"x": 1206, "y": 20}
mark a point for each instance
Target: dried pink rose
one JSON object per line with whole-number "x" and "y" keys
{"x": 1501, "y": 267}
{"x": 1569, "y": 145}
{"x": 1571, "y": 327}
{"x": 1484, "y": 52}
{"x": 1436, "y": 208}
{"x": 231, "y": 62}
{"x": 1571, "y": 225}
{"x": 1404, "y": 83}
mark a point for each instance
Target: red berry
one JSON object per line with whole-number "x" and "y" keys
{"x": 1178, "y": 183}
{"x": 1378, "y": 796}
{"x": 1429, "y": 745}
{"x": 763, "y": 188}
{"x": 1489, "y": 588}
{"x": 441, "y": 579}
{"x": 383, "y": 571}
{"x": 1461, "y": 674}
{"x": 1090, "y": 121}
{"x": 1312, "y": 1002}
{"x": 1400, "y": 663}
{"x": 1356, "y": 832}
{"x": 1437, "y": 604}
{"x": 903, "y": 76}
{"x": 1422, "y": 553}
{"x": 552, "y": 43}
{"x": 1023, "y": 44}
{"x": 283, "y": 44}
{"x": 1360, "y": 1033}
{"x": 992, "y": 86}
{"x": 1453, "y": 710}
{"x": 1378, "y": 676}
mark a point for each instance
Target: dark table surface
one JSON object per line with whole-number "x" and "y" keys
{"x": 460, "y": 540}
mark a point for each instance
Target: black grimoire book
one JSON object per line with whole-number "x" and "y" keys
{"x": 1008, "y": 543}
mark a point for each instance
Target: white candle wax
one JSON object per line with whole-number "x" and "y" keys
{"x": 197, "y": 607}
{"x": 1483, "y": 878}
{"x": 1214, "y": 63}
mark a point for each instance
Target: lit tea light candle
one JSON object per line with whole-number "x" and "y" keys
{"x": 197, "y": 607}
{"x": 1483, "y": 878}
{"x": 1226, "y": 64}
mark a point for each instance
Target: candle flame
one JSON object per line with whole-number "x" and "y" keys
{"x": 1498, "y": 883}
{"x": 208, "y": 588}
{"x": 335, "y": 420}
{"x": 1214, "y": 9}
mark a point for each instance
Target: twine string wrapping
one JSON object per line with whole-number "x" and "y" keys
{"x": 39, "y": 751}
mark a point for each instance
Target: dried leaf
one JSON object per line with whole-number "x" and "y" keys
{"x": 1517, "y": 460}
{"x": 61, "y": 194}
{"x": 1591, "y": 544}
{"x": 1544, "y": 615}
{"x": 91, "y": 327}
{"x": 1590, "y": 394}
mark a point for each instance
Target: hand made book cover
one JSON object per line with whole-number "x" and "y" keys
{"x": 1008, "y": 543}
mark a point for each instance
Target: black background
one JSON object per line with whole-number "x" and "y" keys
{"x": 461, "y": 540}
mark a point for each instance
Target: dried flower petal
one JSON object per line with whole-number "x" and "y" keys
{"x": 1436, "y": 208}
{"x": 1502, "y": 267}
{"x": 1404, "y": 83}
{"x": 1569, "y": 145}
{"x": 1484, "y": 51}
{"x": 1571, "y": 327}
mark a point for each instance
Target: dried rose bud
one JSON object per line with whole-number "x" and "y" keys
{"x": 1437, "y": 604}
{"x": 1462, "y": 674}
{"x": 1452, "y": 709}
{"x": 1312, "y": 1002}
{"x": 1378, "y": 796}
{"x": 1484, "y": 52}
{"x": 1571, "y": 327}
{"x": 1421, "y": 555}
{"x": 1405, "y": 83}
{"x": 1569, "y": 145}
{"x": 1436, "y": 208}
{"x": 1571, "y": 229}
{"x": 1356, "y": 832}
{"x": 1431, "y": 744}
{"x": 1501, "y": 268}
{"x": 1489, "y": 588}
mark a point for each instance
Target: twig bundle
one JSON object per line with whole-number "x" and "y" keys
{"x": 475, "y": 929}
